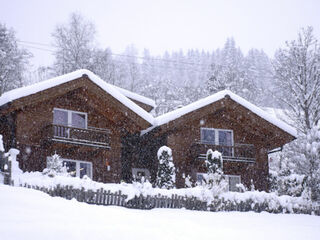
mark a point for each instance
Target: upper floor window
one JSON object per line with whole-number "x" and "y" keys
{"x": 214, "y": 136}
{"x": 70, "y": 118}
{"x": 222, "y": 138}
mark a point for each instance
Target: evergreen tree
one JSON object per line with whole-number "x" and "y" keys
{"x": 166, "y": 176}
{"x": 214, "y": 179}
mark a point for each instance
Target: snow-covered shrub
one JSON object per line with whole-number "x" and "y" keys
{"x": 304, "y": 155}
{"x": 188, "y": 181}
{"x": 166, "y": 176}
{"x": 214, "y": 179}
{"x": 287, "y": 183}
{"x": 55, "y": 167}
{"x": 213, "y": 161}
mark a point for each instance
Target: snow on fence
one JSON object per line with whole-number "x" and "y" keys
{"x": 106, "y": 198}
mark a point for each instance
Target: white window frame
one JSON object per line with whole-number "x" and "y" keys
{"x": 136, "y": 170}
{"x": 77, "y": 165}
{"x": 216, "y": 134}
{"x": 228, "y": 177}
{"x": 70, "y": 116}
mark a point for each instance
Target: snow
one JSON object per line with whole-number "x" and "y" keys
{"x": 123, "y": 95}
{"x": 30, "y": 214}
{"x": 136, "y": 189}
{"x": 170, "y": 116}
{"x": 136, "y": 97}
{"x": 164, "y": 149}
{"x": 110, "y": 89}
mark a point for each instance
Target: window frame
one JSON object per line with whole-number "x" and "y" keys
{"x": 70, "y": 116}
{"x": 77, "y": 165}
{"x": 226, "y": 175}
{"x": 216, "y": 135}
{"x": 145, "y": 170}
{"x": 232, "y": 175}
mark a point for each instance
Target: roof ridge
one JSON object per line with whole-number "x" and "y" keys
{"x": 53, "y": 82}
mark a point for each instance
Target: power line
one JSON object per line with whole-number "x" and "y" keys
{"x": 114, "y": 54}
{"x": 39, "y": 48}
{"x": 29, "y": 44}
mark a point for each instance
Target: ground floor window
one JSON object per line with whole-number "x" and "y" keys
{"x": 77, "y": 168}
{"x": 233, "y": 180}
{"x": 138, "y": 173}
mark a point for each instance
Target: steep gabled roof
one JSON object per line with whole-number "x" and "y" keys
{"x": 136, "y": 97}
{"x": 119, "y": 94}
{"x": 175, "y": 114}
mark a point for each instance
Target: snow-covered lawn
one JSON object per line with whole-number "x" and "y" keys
{"x": 30, "y": 214}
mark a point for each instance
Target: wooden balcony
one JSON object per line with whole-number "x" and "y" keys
{"x": 236, "y": 153}
{"x": 94, "y": 137}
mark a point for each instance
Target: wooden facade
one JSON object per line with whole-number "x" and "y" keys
{"x": 253, "y": 138}
{"x": 27, "y": 124}
{"x": 112, "y": 143}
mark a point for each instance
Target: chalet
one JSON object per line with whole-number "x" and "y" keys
{"x": 107, "y": 132}
{"x": 241, "y": 131}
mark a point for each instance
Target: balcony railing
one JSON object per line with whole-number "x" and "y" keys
{"x": 95, "y": 137}
{"x": 236, "y": 153}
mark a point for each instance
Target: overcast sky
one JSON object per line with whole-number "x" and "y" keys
{"x": 165, "y": 24}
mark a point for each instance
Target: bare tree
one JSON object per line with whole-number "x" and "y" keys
{"x": 297, "y": 74}
{"x": 74, "y": 44}
{"x": 13, "y": 60}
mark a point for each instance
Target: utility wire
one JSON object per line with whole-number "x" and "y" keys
{"x": 29, "y": 44}
{"x": 114, "y": 54}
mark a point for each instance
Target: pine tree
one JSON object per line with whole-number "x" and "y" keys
{"x": 166, "y": 171}
{"x": 214, "y": 179}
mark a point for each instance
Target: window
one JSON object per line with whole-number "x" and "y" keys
{"x": 201, "y": 177}
{"x": 221, "y": 137}
{"x": 69, "y": 118}
{"x": 77, "y": 168}
{"x": 138, "y": 173}
{"x": 233, "y": 180}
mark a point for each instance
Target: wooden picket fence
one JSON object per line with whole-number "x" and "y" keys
{"x": 106, "y": 198}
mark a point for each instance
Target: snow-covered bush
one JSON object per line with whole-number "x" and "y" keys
{"x": 214, "y": 179}
{"x": 213, "y": 161}
{"x": 304, "y": 156}
{"x": 166, "y": 176}
{"x": 188, "y": 181}
{"x": 287, "y": 183}
{"x": 55, "y": 167}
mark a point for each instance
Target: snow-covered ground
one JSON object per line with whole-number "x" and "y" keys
{"x": 30, "y": 214}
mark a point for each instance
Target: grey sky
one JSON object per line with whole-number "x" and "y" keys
{"x": 166, "y": 24}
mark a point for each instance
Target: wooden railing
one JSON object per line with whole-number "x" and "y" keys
{"x": 95, "y": 137}
{"x": 237, "y": 153}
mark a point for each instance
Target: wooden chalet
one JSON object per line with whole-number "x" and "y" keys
{"x": 108, "y": 134}
{"x": 241, "y": 131}
{"x": 78, "y": 116}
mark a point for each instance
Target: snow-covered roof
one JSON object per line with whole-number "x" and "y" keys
{"x": 121, "y": 95}
{"x": 137, "y": 97}
{"x": 170, "y": 116}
